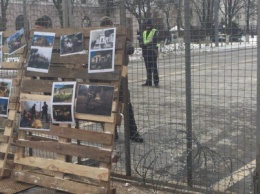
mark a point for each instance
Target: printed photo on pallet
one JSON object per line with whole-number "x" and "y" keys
{"x": 14, "y": 42}
{"x": 35, "y": 115}
{"x": 71, "y": 44}
{"x": 62, "y": 104}
{"x": 94, "y": 99}
{"x": 102, "y": 50}
{"x": 41, "y": 52}
{"x": 1, "y": 48}
{"x": 5, "y": 92}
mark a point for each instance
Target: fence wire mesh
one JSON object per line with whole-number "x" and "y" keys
{"x": 223, "y": 82}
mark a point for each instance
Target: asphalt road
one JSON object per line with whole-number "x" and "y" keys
{"x": 223, "y": 120}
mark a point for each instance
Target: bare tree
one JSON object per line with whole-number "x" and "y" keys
{"x": 141, "y": 9}
{"x": 107, "y": 5}
{"x": 204, "y": 10}
{"x": 58, "y": 6}
{"x": 4, "y": 5}
{"x": 230, "y": 9}
{"x": 251, "y": 8}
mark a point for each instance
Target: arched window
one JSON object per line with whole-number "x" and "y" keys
{"x": 19, "y": 22}
{"x": 48, "y": 21}
{"x": 85, "y": 22}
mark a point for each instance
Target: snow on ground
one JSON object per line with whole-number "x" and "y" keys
{"x": 196, "y": 48}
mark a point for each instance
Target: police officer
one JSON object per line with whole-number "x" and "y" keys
{"x": 149, "y": 47}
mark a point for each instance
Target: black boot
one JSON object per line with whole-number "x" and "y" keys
{"x": 116, "y": 135}
{"x": 136, "y": 137}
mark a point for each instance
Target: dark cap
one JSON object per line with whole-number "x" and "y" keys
{"x": 148, "y": 22}
{"x": 106, "y": 21}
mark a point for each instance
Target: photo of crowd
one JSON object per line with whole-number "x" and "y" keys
{"x": 102, "y": 39}
{"x": 14, "y": 42}
{"x": 71, "y": 44}
{"x": 40, "y": 40}
{"x": 35, "y": 115}
{"x": 5, "y": 87}
{"x": 93, "y": 99}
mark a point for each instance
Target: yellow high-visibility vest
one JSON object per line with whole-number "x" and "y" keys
{"x": 148, "y": 39}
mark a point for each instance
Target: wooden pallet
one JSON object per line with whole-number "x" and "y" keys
{"x": 6, "y": 162}
{"x": 60, "y": 172}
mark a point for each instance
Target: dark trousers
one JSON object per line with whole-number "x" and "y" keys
{"x": 151, "y": 69}
{"x": 132, "y": 124}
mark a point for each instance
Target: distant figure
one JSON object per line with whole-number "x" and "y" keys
{"x": 45, "y": 111}
{"x": 149, "y": 45}
{"x": 33, "y": 111}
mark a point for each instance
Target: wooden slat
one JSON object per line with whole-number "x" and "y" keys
{"x": 36, "y": 86}
{"x": 82, "y": 58}
{"x": 65, "y": 31}
{"x": 75, "y": 73}
{"x": 8, "y": 131}
{"x": 14, "y": 99}
{"x": 57, "y": 184}
{"x": 12, "y": 106}
{"x": 99, "y": 118}
{"x": 10, "y": 65}
{"x": 78, "y": 134}
{"x": 4, "y": 147}
{"x": 68, "y": 149}
{"x": 35, "y": 97}
{"x": 1, "y": 164}
{"x": 64, "y": 167}
{"x": 11, "y": 115}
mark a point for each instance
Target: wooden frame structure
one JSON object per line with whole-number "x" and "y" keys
{"x": 6, "y": 164}
{"x": 59, "y": 171}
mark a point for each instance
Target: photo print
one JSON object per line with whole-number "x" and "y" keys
{"x": 102, "y": 50}
{"x": 35, "y": 115}
{"x": 4, "y": 106}
{"x": 93, "y": 99}
{"x": 5, "y": 87}
{"x": 14, "y": 42}
{"x": 71, "y": 44}
{"x": 5, "y": 92}
{"x": 41, "y": 52}
{"x": 62, "y": 104}
{"x": 101, "y": 61}
{"x": 62, "y": 113}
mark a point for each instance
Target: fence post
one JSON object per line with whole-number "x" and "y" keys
{"x": 216, "y": 10}
{"x": 126, "y": 102}
{"x": 257, "y": 173}
{"x": 188, "y": 90}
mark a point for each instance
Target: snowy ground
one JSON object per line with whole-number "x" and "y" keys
{"x": 196, "y": 48}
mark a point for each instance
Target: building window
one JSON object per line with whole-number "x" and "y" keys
{"x": 83, "y": 1}
{"x": 48, "y": 21}
{"x": 19, "y": 22}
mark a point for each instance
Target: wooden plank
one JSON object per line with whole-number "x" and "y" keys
{"x": 8, "y": 131}
{"x": 12, "y": 115}
{"x": 100, "y": 174}
{"x": 10, "y": 65}
{"x": 82, "y": 58}
{"x": 65, "y": 31}
{"x": 124, "y": 71}
{"x": 4, "y": 147}
{"x": 80, "y": 73}
{"x": 12, "y": 106}
{"x": 99, "y": 118}
{"x": 57, "y": 184}
{"x": 35, "y": 97}
{"x": 78, "y": 134}
{"x": 14, "y": 99}
{"x": 36, "y": 86}
{"x": 68, "y": 149}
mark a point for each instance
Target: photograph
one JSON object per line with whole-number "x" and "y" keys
{"x": 62, "y": 114}
{"x": 4, "y": 107}
{"x": 5, "y": 87}
{"x": 35, "y": 115}
{"x": 102, "y": 39}
{"x": 93, "y": 99}
{"x": 62, "y": 92}
{"x": 41, "y": 39}
{"x": 40, "y": 59}
{"x": 14, "y": 42}
{"x": 101, "y": 61}
{"x": 71, "y": 44}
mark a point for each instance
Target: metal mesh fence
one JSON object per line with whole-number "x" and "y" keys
{"x": 205, "y": 138}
